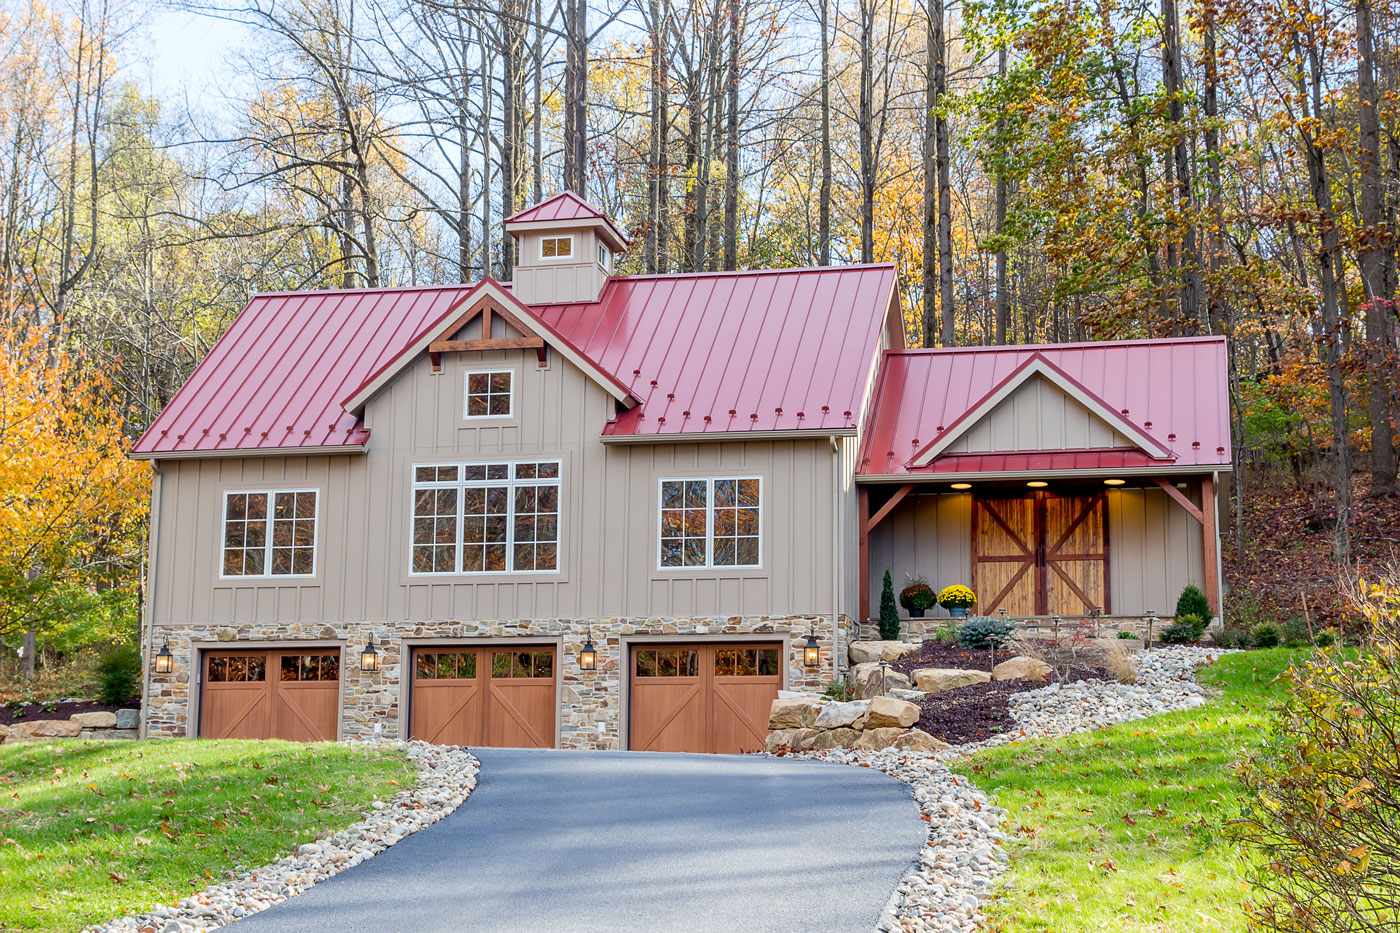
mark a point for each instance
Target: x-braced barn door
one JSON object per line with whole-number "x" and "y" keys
{"x": 1041, "y": 554}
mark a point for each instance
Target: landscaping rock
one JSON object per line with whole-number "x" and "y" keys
{"x": 938, "y": 679}
{"x": 1021, "y": 668}
{"x": 833, "y": 715}
{"x": 869, "y": 683}
{"x": 4, "y": 731}
{"x": 863, "y": 652}
{"x": 45, "y": 729}
{"x": 835, "y": 738}
{"x": 886, "y": 712}
{"x": 793, "y": 713}
{"x": 919, "y": 740}
{"x": 780, "y": 738}
{"x": 101, "y": 720}
{"x": 128, "y": 719}
{"x": 878, "y": 738}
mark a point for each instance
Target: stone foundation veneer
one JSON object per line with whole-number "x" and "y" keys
{"x": 589, "y": 702}
{"x": 1040, "y": 626}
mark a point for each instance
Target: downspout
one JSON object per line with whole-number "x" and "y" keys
{"x": 147, "y": 582}
{"x": 835, "y": 558}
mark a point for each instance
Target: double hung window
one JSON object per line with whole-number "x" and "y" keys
{"x": 486, "y": 517}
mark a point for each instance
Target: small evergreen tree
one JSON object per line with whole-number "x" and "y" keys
{"x": 889, "y": 611}
{"x": 1192, "y": 602}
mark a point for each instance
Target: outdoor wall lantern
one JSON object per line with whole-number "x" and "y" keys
{"x": 811, "y": 653}
{"x": 369, "y": 658}
{"x": 588, "y": 655}
{"x": 165, "y": 661}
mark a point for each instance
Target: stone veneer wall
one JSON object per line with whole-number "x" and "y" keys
{"x": 926, "y": 627}
{"x": 589, "y": 702}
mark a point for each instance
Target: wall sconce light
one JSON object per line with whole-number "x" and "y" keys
{"x": 811, "y": 653}
{"x": 369, "y": 658}
{"x": 588, "y": 655}
{"x": 165, "y": 661}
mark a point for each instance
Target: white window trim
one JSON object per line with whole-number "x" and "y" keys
{"x": 267, "y": 546}
{"x": 603, "y": 255}
{"x": 466, "y": 392}
{"x": 709, "y": 524}
{"x": 461, "y": 484}
{"x": 556, "y": 258}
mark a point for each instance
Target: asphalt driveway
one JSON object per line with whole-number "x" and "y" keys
{"x": 583, "y": 841}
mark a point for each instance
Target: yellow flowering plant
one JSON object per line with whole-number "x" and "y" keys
{"x": 957, "y": 596}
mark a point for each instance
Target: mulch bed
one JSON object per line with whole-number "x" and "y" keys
{"x": 977, "y": 711}
{"x": 13, "y": 712}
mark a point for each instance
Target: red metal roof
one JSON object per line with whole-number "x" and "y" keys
{"x": 1172, "y": 390}
{"x": 563, "y": 206}
{"x": 783, "y": 350}
{"x": 723, "y": 352}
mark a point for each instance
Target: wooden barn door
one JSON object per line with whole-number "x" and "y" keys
{"x": 1041, "y": 554}
{"x": 1005, "y": 555}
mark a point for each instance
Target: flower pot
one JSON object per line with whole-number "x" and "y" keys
{"x": 916, "y": 613}
{"x": 957, "y": 612}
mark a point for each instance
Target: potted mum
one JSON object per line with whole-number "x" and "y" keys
{"x": 957, "y": 599}
{"x": 917, "y": 597}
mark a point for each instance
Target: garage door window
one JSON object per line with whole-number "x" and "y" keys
{"x": 668, "y": 662}
{"x": 269, "y": 534}
{"x": 711, "y": 522}
{"x": 225, "y": 669}
{"x": 746, "y": 662}
{"x": 445, "y": 665}
{"x": 296, "y": 667}
{"x": 486, "y": 518}
{"x": 522, "y": 664}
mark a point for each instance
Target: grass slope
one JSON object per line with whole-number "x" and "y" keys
{"x": 90, "y": 831}
{"x": 1117, "y": 829}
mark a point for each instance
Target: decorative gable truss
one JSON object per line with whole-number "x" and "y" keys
{"x": 486, "y": 301}
{"x": 1035, "y": 367}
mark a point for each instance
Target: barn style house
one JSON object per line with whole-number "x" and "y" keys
{"x": 593, "y": 510}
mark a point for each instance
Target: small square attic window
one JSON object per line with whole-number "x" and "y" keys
{"x": 556, "y": 247}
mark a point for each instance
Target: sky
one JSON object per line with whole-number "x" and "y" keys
{"x": 187, "y": 57}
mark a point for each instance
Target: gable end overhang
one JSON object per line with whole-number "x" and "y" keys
{"x": 226, "y": 452}
{"x": 1037, "y": 364}
{"x": 487, "y": 289}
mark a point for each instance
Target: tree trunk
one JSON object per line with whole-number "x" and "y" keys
{"x": 866, "y": 129}
{"x": 29, "y": 649}
{"x": 653, "y": 219}
{"x": 731, "y": 140}
{"x": 576, "y": 97}
{"x": 1375, "y": 261}
{"x": 939, "y": 68}
{"x": 1003, "y": 302}
{"x": 824, "y": 195}
{"x": 1189, "y": 310}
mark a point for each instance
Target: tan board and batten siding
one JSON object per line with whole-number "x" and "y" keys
{"x": 1038, "y": 416}
{"x": 1155, "y": 548}
{"x": 608, "y": 514}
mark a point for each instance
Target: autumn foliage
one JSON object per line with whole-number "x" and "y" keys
{"x": 72, "y": 504}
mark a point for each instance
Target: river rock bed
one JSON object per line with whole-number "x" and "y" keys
{"x": 958, "y": 868}
{"x": 446, "y": 776}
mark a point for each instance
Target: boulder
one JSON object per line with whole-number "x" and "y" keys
{"x": 863, "y": 652}
{"x": 95, "y": 720}
{"x": 834, "y": 715}
{"x": 887, "y": 712}
{"x": 793, "y": 713}
{"x": 4, "y": 731}
{"x": 920, "y": 741}
{"x": 938, "y": 679}
{"x": 879, "y": 738}
{"x": 869, "y": 682}
{"x": 779, "y": 738}
{"x": 1021, "y": 668}
{"x": 45, "y": 729}
{"x": 835, "y": 738}
{"x": 128, "y": 719}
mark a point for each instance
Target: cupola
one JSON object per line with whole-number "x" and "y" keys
{"x": 565, "y": 250}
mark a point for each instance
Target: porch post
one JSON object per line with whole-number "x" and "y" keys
{"x": 1211, "y": 536}
{"x": 863, "y": 526}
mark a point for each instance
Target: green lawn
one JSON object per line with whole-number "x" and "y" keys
{"x": 1118, "y": 829}
{"x": 90, "y": 831}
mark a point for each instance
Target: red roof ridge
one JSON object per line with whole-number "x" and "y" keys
{"x": 789, "y": 270}
{"x": 376, "y": 290}
{"x": 1081, "y": 345}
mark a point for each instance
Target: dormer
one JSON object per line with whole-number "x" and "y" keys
{"x": 565, "y": 249}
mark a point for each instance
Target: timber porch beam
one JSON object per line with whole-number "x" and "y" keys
{"x": 867, "y": 525}
{"x": 1170, "y": 489}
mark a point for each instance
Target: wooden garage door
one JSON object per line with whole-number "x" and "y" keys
{"x": 285, "y": 694}
{"x": 702, "y": 698}
{"x": 1042, "y": 554}
{"x": 492, "y": 695}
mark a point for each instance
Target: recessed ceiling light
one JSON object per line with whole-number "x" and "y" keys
{"x": 1037, "y": 483}
{"x": 962, "y": 485}
{"x": 1114, "y": 482}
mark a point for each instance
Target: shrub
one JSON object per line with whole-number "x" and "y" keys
{"x": 918, "y": 596}
{"x": 118, "y": 674}
{"x": 1125, "y": 634}
{"x": 1118, "y": 661}
{"x": 1233, "y": 636}
{"x": 1193, "y": 602}
{"x": 841, "y": 691}
{"x": 1320, "y": 809}
{"x": 957, "y": 596}
{"x": 986, "y": 631}
{"x": 1197, "y": 623}
{"x": 1326, "y": 638}
{"x": 1178, "y": 633}
{"x": 889, "y": 613}
{"x": 1267, "y": 636}
{"x": 947, "y": 635}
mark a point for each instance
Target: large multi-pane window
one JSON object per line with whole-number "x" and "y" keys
{"x": 710, "y": 522}
{"x": 486, "y": 517}
{"x": 488, "y": 394}
{"x": 270, "y": 534}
